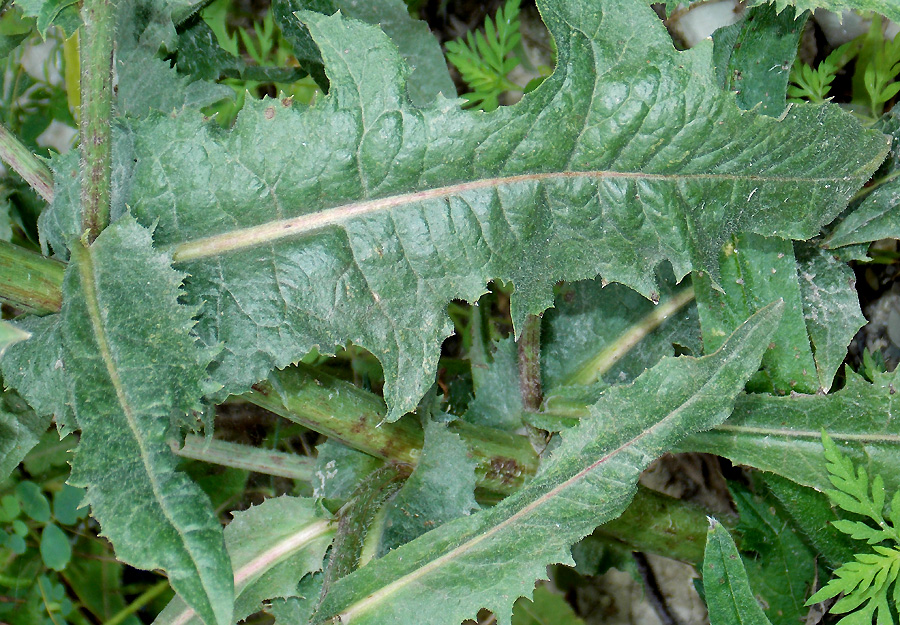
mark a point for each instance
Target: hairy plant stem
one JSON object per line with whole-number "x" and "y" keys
{"x": 96, "y": 44}
{"x": 23, "y": 162}
{"x": 29, "y": 281}
{"x": 529, "y": 344}
{"x": 604, "y": 360}
{"x": 245, "y": 457}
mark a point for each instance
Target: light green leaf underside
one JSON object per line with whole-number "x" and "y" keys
{"x": 10, "y": 334}
{"x": 360, "y": 218}
{"x": 728, "y": 594}
{"x": 440, "y": 489}
{"x": 272, "y": 547}
{"x": 128, "y": 345}
{"x": 35, "y": 369}
{"x": 783, "y": 434}
{"x": 589, "y": 479}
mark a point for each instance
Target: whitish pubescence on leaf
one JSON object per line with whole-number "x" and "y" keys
{"x": 489, "y": 559}
{"x": 440, "y": 489}
{"x": 783, "y": 434}
{"x": 272, "y": 547}
{"x": 129, "y": 348}
{"x": 360, "y": 218}
{"x": 886, "y": 7}
{"x": 35, "y": 369}
{"x": 20, "y": 430}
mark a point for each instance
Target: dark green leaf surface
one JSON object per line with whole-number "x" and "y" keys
{"x": 589, "y": 479}
{"x": 878, "y": 215}
{"x": 416, "y": 44}
{"x": 783, "y": 434}
{"x": 728, "y": 595}
{"x": 136, "y": 365}
{"x": 440, "y": 489}
{"x": 272, "y": 546}
{"x": 756, "y": 271}
{"x": 811, "y": 511}
{"x": 375, "y": 214}
{"x": 753, "y": 57}
{"x": 781, "y": 568}
{"x": 890, "y": 8}
{"x": 20, "y": 430}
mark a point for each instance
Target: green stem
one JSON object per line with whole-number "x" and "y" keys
{"x": 96, "y": 110}
{"x": 356, "y": 418}
{"x": 146, "y": 597}
{"x": 529, "y": 344}
{"x": 23, "y": 162}
{"x": 29, "y": 281}
{"x": 604, "y": 360}
{"x": 245, "y": 457}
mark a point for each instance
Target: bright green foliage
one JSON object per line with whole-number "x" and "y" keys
{"x": 486, "y": 60}
{"x": 589, "y": 478}
{"x": 879, "y": 63}
{"x": 544, "y": 608}
{"x": 866, "y": 582}
{"x": 728, "y": 595}
{"x": 815, "y": 84}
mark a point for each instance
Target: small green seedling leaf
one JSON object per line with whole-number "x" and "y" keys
{"x": 34, "y": 503}
{"x": 728, "y": 595}
{"x": 56, "y": 551}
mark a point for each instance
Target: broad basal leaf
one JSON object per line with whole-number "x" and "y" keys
{"x": 489, "y": 559}
{"x": 135, "y": 365}
{"x": 360, "y": 218}
{"x": 272, "y": 546}
{"x": 783, "y": 434}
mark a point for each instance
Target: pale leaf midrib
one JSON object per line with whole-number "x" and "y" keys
{"x": 267, "y": 559}
{"x": 346, "y": 615}
{"x": 271, "y": 231}
{"x": 811, "y": 434}
{"x": 84, "y": 260}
